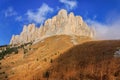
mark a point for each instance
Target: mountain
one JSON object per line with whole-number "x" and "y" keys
{"x": 62, "y": 23}
{"x": 37, "y": 47}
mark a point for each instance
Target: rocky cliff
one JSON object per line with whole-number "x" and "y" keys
{"x": 62, "y": 23}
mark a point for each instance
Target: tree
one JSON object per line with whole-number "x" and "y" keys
{"x": 46, "y": 74}
{"x": 51, "y": 61}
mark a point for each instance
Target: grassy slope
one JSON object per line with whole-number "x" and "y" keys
{"x": 92, "y": 60}
{"x": 89, "y": 61}
{"x": 25, "y": 66}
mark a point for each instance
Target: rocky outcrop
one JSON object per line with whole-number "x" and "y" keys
{"x": 62, "y": 23}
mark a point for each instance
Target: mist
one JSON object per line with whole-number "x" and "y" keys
{"x": 109, "y": 31}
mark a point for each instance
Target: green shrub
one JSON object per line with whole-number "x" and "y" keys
{"x": 6, "y": 76}
{"x": 16, "y": 51}
{"x": 51, "y": 61}
{"x": 46, "y": 74}
{"x": 55, "y": 53}
{"x": 29, "y": 48}
{"x": 25, "y": 51}
{"x": 8, "y": 51}
{"x": 3, "y": 72}
{"x": 37, "y": 59}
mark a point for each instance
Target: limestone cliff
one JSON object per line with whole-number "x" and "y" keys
{"x": 62, "y": 23}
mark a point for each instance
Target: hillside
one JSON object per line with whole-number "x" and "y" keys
{"x": 94, "y": 60}
{"x": 35, "y": 58}
{"x": 63, "y": 58}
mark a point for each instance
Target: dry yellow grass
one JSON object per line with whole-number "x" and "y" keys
{"x": 89, "y": 61}
{"x": 25, "y": 66}
{"x": 57, "y": 58}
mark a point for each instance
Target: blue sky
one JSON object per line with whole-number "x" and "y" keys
{"x": 16, "y": 13}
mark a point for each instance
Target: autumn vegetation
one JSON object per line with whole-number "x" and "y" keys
{"x": 90, "y": 61}
{"x": 57, "y": 58}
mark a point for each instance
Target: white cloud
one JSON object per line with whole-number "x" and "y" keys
{"x": 40, "y": 15}
{"x": 18, "y": 18}
{"x": 106, "y": 31}
{"x": 10, "y": 12}
{"x": 70, "y": 4}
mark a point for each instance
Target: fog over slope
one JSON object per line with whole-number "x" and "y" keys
{"x": 109, "y": 30}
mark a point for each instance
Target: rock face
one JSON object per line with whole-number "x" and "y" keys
{"x": 62, "y": 23}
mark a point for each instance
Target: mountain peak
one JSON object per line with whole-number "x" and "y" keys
{"x": 62, "y": 12}
{"x": 61, "y": 24}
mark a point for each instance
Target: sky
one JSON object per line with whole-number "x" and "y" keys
{"x": 103, "y": 15}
